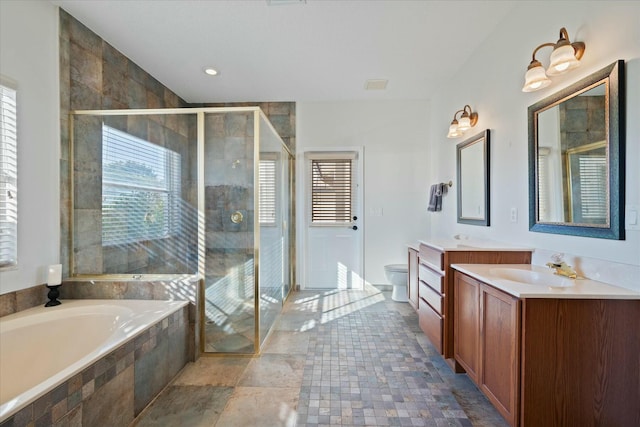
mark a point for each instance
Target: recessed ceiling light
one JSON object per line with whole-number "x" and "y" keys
{"x": 210, "y": 71}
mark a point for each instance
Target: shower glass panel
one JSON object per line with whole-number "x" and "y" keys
{"x": 134, "y": 194}
{"x": 273, "y": 209}
{"x": 229, "y": 288}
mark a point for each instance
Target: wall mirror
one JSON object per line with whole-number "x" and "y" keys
{"x": 576, "y": 158}
{"x": 472, "y": 164}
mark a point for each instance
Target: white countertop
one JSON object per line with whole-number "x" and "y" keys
{"x": 470, "y": 244}
{"x": 579, "y": 289}
{"x": 414, "y": 246}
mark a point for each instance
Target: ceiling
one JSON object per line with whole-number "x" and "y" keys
{"x": 321, "y": 50}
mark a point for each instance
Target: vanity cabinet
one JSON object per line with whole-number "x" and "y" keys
{"x": 552, "y": 361}
{"x": 436, "y": 303}
{"x": 412, "y": 278}
{"x": 486, "y": 341}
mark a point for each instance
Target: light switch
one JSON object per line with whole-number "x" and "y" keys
{"x": 514, "y": 214}
{"x": 631, "y": 218}
{"x": 376, "y": 212}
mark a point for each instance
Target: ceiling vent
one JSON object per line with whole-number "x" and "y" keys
{"x": 284, "y": 2}
{"x": 376, "y": 84}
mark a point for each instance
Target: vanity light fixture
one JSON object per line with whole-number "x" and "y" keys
{"x": 467, "y": 120}
{"x": 565, "y": 56}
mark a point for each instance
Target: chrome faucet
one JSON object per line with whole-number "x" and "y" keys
{"x": 562, "y": 268}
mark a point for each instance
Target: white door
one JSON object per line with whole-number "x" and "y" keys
{"x": 334, "y": 226}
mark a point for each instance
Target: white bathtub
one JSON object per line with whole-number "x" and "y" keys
{"x": 41, "y": 348}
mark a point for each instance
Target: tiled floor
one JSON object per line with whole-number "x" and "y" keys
{"x": 334, "y": 358}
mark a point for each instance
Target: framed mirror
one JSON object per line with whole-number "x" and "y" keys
{"x": 472, "y": 165}
{"x": 576, "y": 158}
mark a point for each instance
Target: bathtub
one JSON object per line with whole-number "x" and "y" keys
{"x": 41, "y": 348}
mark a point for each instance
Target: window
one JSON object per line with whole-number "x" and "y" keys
{"x": 593, "y": 187}
{"x": 140, "y": 189}
{"x": 588, "y": 178}
{"x": 268, "y": 193}
{"x": 544, "y": 185}
{"x": 8, "y": 177}
{"x": 331, "y": 196}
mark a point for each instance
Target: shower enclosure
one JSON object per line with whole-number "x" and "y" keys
{"x": 202, "y": 193}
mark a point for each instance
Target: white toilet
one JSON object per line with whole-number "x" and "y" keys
{"x": 397, "y": 275}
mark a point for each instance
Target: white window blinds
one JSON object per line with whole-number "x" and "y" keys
{"x": 140, "y": 189}
{"x": 331, "y": 196}
{"x": 8, "y": 177}
{"x": 268, "y": 194}
{"x": 593, "y": 187}
{"x": 543, "y": 184}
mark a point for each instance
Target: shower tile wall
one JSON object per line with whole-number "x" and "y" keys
{"x": 582, "y": 121}
{"x": 282, "y": 116}
{"x": 94, "y": 75}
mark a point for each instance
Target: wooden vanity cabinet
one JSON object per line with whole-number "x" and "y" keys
{"x": 487, "y": 341}
{"x": 412, "y": 278}
{"x": 436, "y": 289}
{"x": 550, "y": 361}
{"x": 466, "y": 334}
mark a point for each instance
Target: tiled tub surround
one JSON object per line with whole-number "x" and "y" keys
{"x": 13, "y": 302}
{"x": 120, "y": 378}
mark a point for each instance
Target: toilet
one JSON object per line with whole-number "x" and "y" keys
{"x": 397, "y": 275}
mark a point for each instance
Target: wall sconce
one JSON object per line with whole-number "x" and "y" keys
{"x": 468, "y": 119}
{"x": 565, "y": 56}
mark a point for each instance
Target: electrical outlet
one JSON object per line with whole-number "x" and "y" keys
{"x": 514, "y": 214}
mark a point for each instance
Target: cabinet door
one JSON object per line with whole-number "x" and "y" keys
{"x": 466, "y": 324}
{"x": 412, "y": 277}
{"x": 500, "y": 350}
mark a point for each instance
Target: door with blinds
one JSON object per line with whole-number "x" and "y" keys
{"x": 334, "y": 226}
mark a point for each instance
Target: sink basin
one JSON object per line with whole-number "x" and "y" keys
{"x": 531, "y": 277}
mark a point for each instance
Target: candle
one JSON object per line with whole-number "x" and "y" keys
{"x": 54, "y": 275}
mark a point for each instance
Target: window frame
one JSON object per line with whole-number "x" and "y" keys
{"x": 351, "y": 157}
{"x": 9, "y": 179}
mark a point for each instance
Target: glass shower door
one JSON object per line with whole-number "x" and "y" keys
{"x": 273, "y": 215}
{"x": 229, "y": 305}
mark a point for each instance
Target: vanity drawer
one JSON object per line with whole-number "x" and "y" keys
{"x": 431, "y": 324}
{"x": 434, "y": 299}
{"x": 432, "y": 278}
{"x": 432, "y": 256}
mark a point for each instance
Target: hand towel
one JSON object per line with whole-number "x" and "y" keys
{"x": 433, "y": 199}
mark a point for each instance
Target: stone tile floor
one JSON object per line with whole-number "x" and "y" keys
{"x": 334, "y": 358}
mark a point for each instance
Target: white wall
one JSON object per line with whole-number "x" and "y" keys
{"x": 491, "y": 83}
{"x": 29, "y": 56}
{"x": 394, "y": 136}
